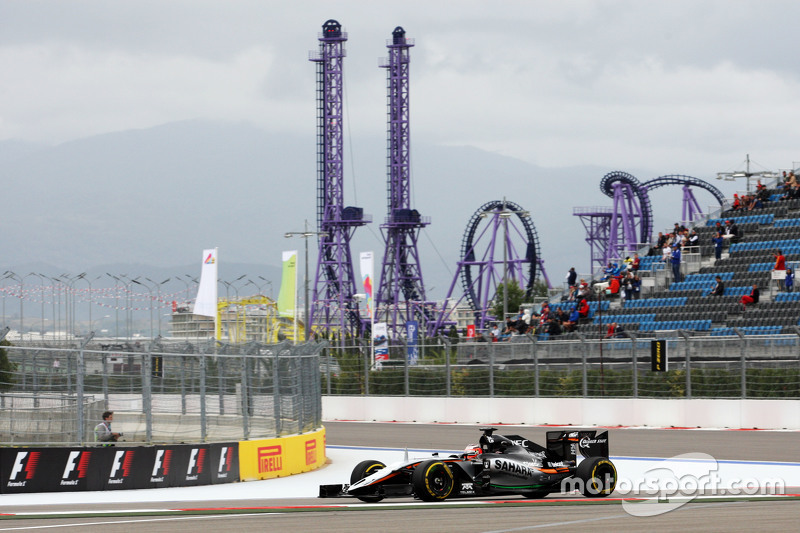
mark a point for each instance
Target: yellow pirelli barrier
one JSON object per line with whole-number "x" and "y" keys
{"x": 269, "y": 458}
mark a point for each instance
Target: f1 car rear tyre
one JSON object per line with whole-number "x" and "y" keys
{"x": 362, "y": 470}
{"x": 598, "y": 476}
{"x": 432, "y": 481}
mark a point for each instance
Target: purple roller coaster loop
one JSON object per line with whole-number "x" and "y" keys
{"x": 613, "y": 234}
{"x": 480, "y": 272}
{"x": 401, "y": 292}
{"x": 334, "y": 309}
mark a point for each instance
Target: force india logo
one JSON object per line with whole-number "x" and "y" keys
{"x": 269, "y": 459}
{"x": 513, "y": 468}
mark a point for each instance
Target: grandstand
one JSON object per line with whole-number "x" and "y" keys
{"x": 665, "y": 307}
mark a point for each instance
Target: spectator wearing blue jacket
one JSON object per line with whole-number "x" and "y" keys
{"x": 788, "y": 281}
{"x": 718, "y": 242}
{"x": 676, "y": 262}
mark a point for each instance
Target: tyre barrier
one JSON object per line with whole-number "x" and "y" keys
{"x": 72, "y": 469}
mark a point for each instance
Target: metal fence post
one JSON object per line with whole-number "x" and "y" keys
{"x": 202, "y": 385}
{"x": 245, "y": 397}
{"x": 492, "y": 348}
{"x": 183, "y": 384}
{"x": 79, "y": 386}
{"x": 221, "y": 382}
{"x": 742, "y": 362}
{"x": 105, "y": 380}
{"x": 635, "y": 364}
{"x": 276, "y": 392}
{"x": 147, "y": 391}
{"x": 447, "y": 351}
{"x": 687, "y": 363}
{"x": 405, "y": 367}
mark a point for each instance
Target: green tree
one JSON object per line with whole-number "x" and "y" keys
{"x": 516, "y": 297}
{"x": 7, "y": 368}
{"x": 540, "y": 289}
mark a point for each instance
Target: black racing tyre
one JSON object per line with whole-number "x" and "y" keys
{"x": 432, "y": 481}
{"x": 598, "y": 476}
{"x": 362, "y": 470}
{"x": 535, "y": 494}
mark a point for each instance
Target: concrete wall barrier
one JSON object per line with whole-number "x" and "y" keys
{"x": 744, "y": 414}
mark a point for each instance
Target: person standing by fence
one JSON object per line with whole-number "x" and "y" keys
{"x": 103, "y": 433}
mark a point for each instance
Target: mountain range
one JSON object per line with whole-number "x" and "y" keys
{"x": 147, "y": 202}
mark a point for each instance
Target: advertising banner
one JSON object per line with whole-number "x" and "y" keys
{"x": 658, "y": 356}
{"x": 116, "y": 468}
{"x": 367, "y": 263}
{"x": 287, "y": 297}
{"x": 471, "y": 331}
{"x": 381, "y": 343}
{"x": 412, "y": 337}
{"x": 206, "y": 302}
{"x": 270, "y": 458}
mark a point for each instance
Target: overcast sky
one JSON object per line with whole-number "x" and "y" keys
{"x": 678, "y": 86}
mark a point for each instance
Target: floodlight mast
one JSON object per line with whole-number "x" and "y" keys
{"x": 401, "y": 292}
{"x": 334, "y": 308}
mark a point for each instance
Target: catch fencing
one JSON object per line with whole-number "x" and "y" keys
{"x": 698, "y": 367}
{"x": 160, "y": 392}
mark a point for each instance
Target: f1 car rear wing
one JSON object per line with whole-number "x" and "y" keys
{"x": 570, "y": 444}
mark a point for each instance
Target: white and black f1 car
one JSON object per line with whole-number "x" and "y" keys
{"x": 499, "y": 465}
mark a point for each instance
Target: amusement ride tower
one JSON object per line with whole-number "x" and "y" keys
{"x": 401, "y": 292}
{"x": 334, "y": 306}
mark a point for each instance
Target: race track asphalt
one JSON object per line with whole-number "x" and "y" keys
{"x": 463, "y": 516}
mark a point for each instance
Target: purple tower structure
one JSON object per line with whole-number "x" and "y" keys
{"x": 401, "y": 292}
{"x": 334, "y": 308}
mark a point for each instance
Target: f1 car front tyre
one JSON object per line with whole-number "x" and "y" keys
{"x": 362, "y": 470}
{"x": 598, "y": 477}
{"x": 432, "y": 481}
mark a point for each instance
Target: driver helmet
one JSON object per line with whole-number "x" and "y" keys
{"x": 472, "y": 451}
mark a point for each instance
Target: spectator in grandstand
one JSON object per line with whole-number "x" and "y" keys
{"x": 583, "y": 310}
{"x": 666, "y": 251}
{"x": 749, "y": 299}
{"x": 736, "y": 203}
{"x": 553, "y": 327}
{"x": 780, "y": 260}
{"x": 676, "y": 262}
{"x": 719, "y": 288}
{"x": 717, "y": 240}
{"x": 572, "y": 322}
{"x": 780, "y": 266}
{"x": 636, "y": 286}
{"x": 694, "y": 241}
{"x": 103, "y": 433}
{"x": 495, "y": 332}
{"x": 572, "y": 277}
{"x": 584, "y": 291}
{"x": 635, "y": 263}
{"x": 788, "y": 281}
{"x": 731, "y": 231}
{"x": 791, "y": 181}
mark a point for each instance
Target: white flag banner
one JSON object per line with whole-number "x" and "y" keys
{"x": 206, "y": 302}
{"x": 367, "y": 275}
